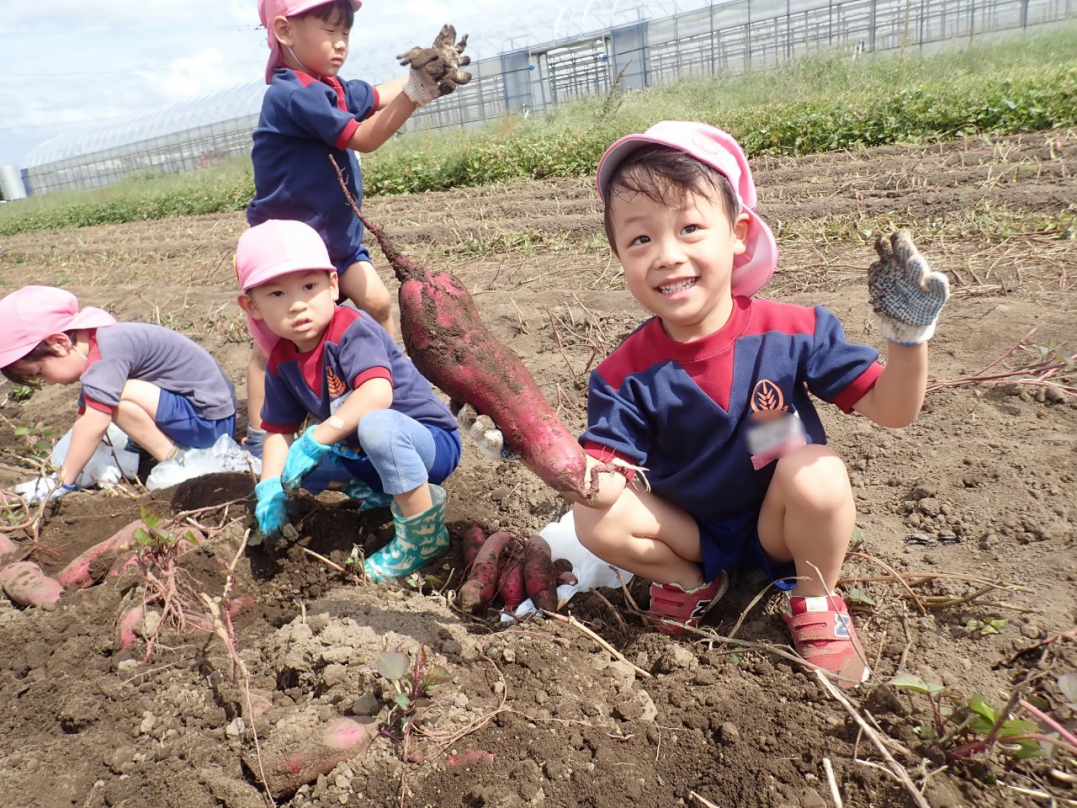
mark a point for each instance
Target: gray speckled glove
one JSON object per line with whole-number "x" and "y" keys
{"x": 905, "y": 293}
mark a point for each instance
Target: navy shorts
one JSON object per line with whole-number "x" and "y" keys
{"x": 361, "y": 254}
{"x": 178, "y": 419}
{"x": 733, "y": 543}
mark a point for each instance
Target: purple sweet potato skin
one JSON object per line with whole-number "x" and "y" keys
{"x": 479, "y": 589}
{"x": 540, "y": 577}
{"x": 474, "y": 539}
{"x": 510, "y": 580}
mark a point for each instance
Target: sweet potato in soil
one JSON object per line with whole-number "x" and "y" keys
{"x": 480, "y": 587}
{"x": 540, "y": 577}
{"x": 474, "y": 539}
{"x": 447, "y": 341}
{"x": 510, "y": 579}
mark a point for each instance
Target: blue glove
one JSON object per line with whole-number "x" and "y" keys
{"x": 303, "y": 456}
{"x": 271, "y": 511}
{"x": 905, "y": 294}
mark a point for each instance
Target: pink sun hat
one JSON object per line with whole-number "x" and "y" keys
{"x": 720, "y": 151}
{"x": 271, "y": 249}
{"x": 33, "y": 313}
{"x": 269, "y": 10}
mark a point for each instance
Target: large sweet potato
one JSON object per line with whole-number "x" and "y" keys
{"x": 446, "y": 339}
{"x": 510, "y": 578}
{"x": 26, "y": 585}
{"x": 77, "y": 574}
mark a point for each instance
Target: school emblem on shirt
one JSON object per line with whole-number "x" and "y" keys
{"x": 336, "y": 387}
{"x": 775, "y": 429}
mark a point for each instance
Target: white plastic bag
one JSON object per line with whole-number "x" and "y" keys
{"x": 590, "y": 570}
{"x": 107, "y": 466}
{"x": 224, "y": 455}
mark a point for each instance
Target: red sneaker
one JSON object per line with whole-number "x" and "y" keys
{"x": 670, "y": 602}
{"x": 823, "y": 634}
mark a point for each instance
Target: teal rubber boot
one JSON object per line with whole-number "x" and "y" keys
{"x": 419, "y": 540}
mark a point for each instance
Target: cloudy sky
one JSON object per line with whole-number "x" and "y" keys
{"x": 70, "y": 65}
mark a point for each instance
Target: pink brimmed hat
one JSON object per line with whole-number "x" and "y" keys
{"x": 33, "y": 313}
{"x": 271, "y": 249}
{"x": 269, "y": 10}
{"x": 720, "y": 151}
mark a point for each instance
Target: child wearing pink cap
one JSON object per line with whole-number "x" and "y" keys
{"x": 308, "y": 114}
{"x": 708, "y": 405}
{"x": 165, "y": 391}
{"x": 378, "y": 417}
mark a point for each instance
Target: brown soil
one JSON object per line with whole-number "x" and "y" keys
{"x": 536, "y": 714}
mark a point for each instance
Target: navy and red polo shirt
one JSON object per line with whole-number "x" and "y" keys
{"x": 354, "y": 349}
{"x": 685, "y": 411}
{"x": 303, "y": 121}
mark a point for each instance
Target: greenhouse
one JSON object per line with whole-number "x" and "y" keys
{"x": 720, "y": 39}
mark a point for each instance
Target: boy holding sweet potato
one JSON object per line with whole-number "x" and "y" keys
{"x": 710, "y": 400}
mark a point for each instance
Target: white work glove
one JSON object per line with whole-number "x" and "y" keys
{"x": 904, "y": 292}
{"x": 435, "y": 70}
{"x": 44, "y": 488}
{"x": 484, "y": 433}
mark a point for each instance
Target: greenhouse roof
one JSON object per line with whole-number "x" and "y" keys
{"x": 236, "y": 102}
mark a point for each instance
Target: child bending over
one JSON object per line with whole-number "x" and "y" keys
{"x": 164, "y": 390}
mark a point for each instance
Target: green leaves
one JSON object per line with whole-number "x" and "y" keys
{"x": 908, "y": 681}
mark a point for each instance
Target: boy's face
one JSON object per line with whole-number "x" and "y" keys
{"x": 320, "y": 45}
{"x": 64, "y": 366}
{"x": 297, "y": 306}
{"x": 677, "y": 257}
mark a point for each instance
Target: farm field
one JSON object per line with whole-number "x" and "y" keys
{"x": 977, "y": 495}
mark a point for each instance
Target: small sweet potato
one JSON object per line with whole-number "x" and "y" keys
{"x": 510, "y": 579}
{"x": 540, "y": 577}
{"x": 26, "y": 585}
{"x": 77, "y": 574}
{"x": 297, "y": 752}
{"x": 480, "y": 587}
{"x": 474, "y": 538}
{"x": 127, "y": 626}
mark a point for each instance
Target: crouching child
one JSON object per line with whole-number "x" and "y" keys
{"x": 161, "y": 388}
{"x": 711, "y": 398}
{"x": 377, "y": 415}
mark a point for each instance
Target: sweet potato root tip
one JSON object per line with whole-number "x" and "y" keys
{"x": 540, "y": 577}
{"x": 479, "y": 589}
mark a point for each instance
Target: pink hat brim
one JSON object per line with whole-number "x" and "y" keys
{"x": 262, "y": 336}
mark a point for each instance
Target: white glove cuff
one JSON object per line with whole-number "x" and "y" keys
{"x": 419, "y": 91}
{"x": 903, "y": 333}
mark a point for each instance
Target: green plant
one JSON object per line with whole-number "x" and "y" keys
{"x": 36, "y": 437}
{"x": 964, "y": 727}
{"x": 413, "y": 684}
{"x": 992, "y": 625}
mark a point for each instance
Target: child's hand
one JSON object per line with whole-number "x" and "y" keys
{"x": 485, "y": 433}
{"x": 272, "y": 509}
{"x": 435, "y": 70}
{"x": 303, "y": 455}
{"x": 46, "y": 488}
{"x": 905, "y": 294}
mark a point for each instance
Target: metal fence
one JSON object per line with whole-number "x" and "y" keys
{"x": 723, "y": 39}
